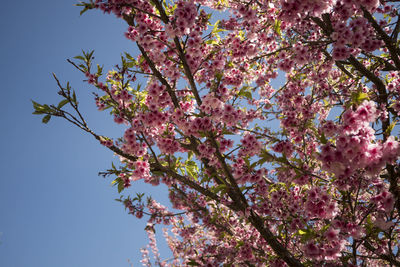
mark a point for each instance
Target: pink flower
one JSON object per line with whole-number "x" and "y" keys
{"x": 332, "y": 234}
{"x": 312, "y": 250}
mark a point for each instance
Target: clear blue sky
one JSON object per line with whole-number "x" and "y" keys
{"x": 54, "y": 209}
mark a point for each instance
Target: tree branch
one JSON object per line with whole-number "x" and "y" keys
{"x": 386, "y": 38}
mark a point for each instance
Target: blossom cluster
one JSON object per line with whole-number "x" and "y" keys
{"x": 275, "y": 128}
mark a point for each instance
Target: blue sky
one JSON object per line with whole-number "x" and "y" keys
{"x": 54, "y": 209}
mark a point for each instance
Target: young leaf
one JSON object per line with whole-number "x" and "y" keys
{"x": 120, "y": 186}
{"x": 46, "y": 118}
{"x": 62, "y": 103}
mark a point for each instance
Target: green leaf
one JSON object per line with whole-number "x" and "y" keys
{"x": 301, "y": 232}
{"x": 390, "y": 127}
{"x": 83, "y": 11}
{"x": 218, "y": 188}
{"x": 306, "y": 234}
{"x": 99, "y": 70}
{"x": 218, "y": 75}
{"x": 46, "y": 118}
{"x": 120, "y": 186}
{"x": 89, "y": 55}
{"x": 190, "y": 155}
{"x": 193, "y": 263}
{"x": 39, "y": 109}
{"x": 359, "y": 97}
{"x": 130, "y": 65}
{"x": 128, "y": 56}
{"x": 116, "y": 181}
{"x": 47, "y": 108}
{"x": 245, "y": 92}
{"x": 192, "y": 169}
{"x": 79, "y": 57}
{"x": 35, "y": 104}
{"x": 62, "y": 103}
{"x": 265, "y": 157}
{"x": 74, "y": 97}
{"x": 86, "y": 6}
{"x": 277, "y": 27}
{"x": 282, "y": 159}
{"x": 323, "y": 139}
{"x": 239, "y": 243}
{"x": 215, "y": 26}
{"x": 247, "y": 161}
